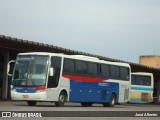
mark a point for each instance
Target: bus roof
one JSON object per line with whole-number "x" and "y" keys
{"x": 141, "y": 73}
{"x": 40, "y": 53}
{"x": 78, "y": 57}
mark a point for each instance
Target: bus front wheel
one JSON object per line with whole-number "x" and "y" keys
{"x": 61, "y": 100}
{"x": 31, "y": 103}
{"x": 112, "y": 101}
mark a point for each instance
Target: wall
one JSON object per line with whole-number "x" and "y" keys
{"x": 152, "y": 61}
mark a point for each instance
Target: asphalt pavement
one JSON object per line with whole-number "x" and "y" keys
{"x": 17, "y": 110}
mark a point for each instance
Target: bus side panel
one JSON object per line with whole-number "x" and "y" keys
{"x": 53, "y": 93}
{"x": 92, "y": 91}
{"x": 124, "y": 92}
{"x": 141, "y": 95}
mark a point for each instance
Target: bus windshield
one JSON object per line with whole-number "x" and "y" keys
{"x": 141, "y": 80}
{"x": 30, "y": 70}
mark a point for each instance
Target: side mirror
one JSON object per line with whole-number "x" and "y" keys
{"x": 8, "y": 67}
{"x": 51, "y": 72}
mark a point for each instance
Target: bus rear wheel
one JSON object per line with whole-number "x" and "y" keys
{"x": 86, "y": 104}
{"x": 31, "y": 103}
{"x": 112, "y": 101}
{"x": 61, "y": 100}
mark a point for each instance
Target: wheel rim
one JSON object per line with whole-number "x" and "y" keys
{"x": 113, "y": 101}
{"x": 62, "y": 98}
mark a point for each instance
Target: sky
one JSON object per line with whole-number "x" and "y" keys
{"x": 119, "y": 29}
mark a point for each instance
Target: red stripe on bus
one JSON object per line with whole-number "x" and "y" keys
{"x": 41, "y": 87}
{"x": 83, "y": 78}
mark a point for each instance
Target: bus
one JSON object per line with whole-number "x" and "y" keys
{"x": 60, "y": 78}
{"x": 142, "y": 86}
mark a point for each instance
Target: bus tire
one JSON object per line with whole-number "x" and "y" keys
{"x": 112, "y": 101}
{"x": 86, "y": 104}
{"x": 31, "y": 103}
{"x": 61, "y": 100}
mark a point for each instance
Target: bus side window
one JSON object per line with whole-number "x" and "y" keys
{"x": 133, "y": 80}
{"x": 124, "y": 73}
{"x": 68, "y": 67}
{"x": 56, "y": 65}
{"x": 105, "y": 71}
{"x": 92, "y": 69}
{"x": 115, "y": 72}
{"x": 80, "y": 67}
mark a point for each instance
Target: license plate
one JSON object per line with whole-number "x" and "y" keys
{"x": 25, "y": 96}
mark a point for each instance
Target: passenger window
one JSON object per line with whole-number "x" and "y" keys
{"x": 133, "y": 80}
{"x": 92, "y": 69}
{"x": 80, "y": 67}
{"x": 115, "y": 73}
{"x": 68, "y": 66}
{"x": 105, "y": 71}
{"x": 124, "y": 73}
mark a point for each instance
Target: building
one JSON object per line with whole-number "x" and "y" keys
{"x": 10, "y": 47}
{"x": 150, "y": 60}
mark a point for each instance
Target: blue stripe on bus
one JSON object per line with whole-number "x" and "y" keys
{"x": 141, "y": 88}
{"x": 139, "y": 100}
{"x": 24, "y": 89}
{"x": 92, "y": 91}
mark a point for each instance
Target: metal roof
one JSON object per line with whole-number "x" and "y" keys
{"x": 14, "y": 45}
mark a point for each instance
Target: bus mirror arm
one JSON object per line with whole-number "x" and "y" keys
{"x": 8, "y": 67}
{"x": 51, "y": 72}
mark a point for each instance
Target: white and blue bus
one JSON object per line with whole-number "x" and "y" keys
{"x": 60, "y": 78}
{"x": 142, "y": 86}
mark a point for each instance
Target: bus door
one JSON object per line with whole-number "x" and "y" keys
{"x": 53, "y": 81}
